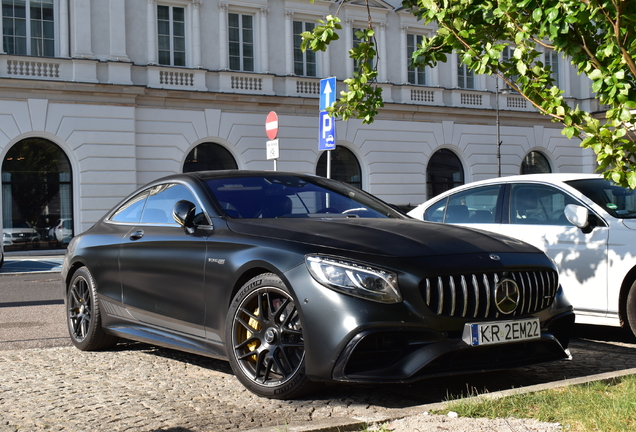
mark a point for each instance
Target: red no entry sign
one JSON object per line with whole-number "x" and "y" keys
{"x": 271, "y": 125}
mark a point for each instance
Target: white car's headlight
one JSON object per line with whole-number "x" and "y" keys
{"x": 354, "y": 278}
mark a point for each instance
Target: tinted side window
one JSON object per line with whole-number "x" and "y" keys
{"x": 538, "y": 204}
{"x": 435, "y": 213}
{"x": 161, "y": 201}
{"x": 474, "y": 206}
{"x": 131, "y": 210}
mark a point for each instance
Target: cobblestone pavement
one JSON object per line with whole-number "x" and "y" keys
{"x": 143, "y": 388}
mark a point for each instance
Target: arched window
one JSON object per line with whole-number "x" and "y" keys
{"x": 37, "y": 196}
{"x": 535, "y": 163}
{"x": 209, "y": 157}
{"x": 344, "y": 166}
{"x": 444, "y": 172}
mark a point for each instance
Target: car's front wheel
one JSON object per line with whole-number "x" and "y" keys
{"x": 265, "y": 339}
{"x": 83, "y": 314}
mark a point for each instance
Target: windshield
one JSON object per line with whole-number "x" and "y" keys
{"x": 284, "y": 195}
{"x": 615, "y": 200}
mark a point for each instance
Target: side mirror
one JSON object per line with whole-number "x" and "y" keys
{"x": 578, "y": 216}
{"x": 183, "y": 214}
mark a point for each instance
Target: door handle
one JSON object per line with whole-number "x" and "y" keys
{"x": 137, "y": 235}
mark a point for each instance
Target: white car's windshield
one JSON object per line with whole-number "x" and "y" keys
{"x": 615, "y": 200}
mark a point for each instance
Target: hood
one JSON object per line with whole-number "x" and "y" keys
{"x": 389, "y": 237}
{"x": 630, "y": 223}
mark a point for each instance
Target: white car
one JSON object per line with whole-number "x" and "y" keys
{"x": 586, "y": 224}
{"x": 63, "y": 229}
{"x": 20, "y": 233}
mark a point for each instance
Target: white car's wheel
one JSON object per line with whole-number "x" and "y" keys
{"x": 631, "y": 309}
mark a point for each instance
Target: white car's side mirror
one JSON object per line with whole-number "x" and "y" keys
{"x": 577, "y": 215}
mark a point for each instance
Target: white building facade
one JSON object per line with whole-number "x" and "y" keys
{"x": 110, "y": 94}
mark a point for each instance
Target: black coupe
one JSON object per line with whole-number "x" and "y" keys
{"x": 297, "y": 279}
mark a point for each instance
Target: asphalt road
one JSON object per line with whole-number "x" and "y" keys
{"x": 199, "y": 394}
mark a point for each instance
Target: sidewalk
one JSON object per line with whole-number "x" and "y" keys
{"x": 49, "y": 261}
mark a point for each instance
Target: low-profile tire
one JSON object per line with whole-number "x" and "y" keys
{"x": 265, "y": 340}
{"x": 83, "y": 315}
{"x": 630, "y": 309}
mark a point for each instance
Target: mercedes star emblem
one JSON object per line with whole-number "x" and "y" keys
{"x": 507, "y": 296}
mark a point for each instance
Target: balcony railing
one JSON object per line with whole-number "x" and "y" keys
{"x": 184, "y": 79}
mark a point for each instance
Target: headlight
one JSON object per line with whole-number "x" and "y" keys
{"x": 353, "y": 278}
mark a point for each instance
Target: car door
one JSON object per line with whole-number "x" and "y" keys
{"x": 479, "y": 207}
{"x": 536, "y": 216}
{"x": 162, "y": 267}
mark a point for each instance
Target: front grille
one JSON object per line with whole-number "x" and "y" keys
{"x": 471, "y": 295}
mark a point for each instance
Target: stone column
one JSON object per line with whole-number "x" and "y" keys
{"x": 81, "y": 29}
{"x": 404, "y": 63}
{"x": 263, "y": 44}
{"x": 289, "y": 47}
{"x": 63, "y": 26}
{"x": 196, "y": 33}
{"x": 223, "y": 37}
{"x": 348, "y": 45}
{"x": 381, "y": 52}
{"x": 453, "y": 64}
{"x": 117, "y": 27}
{"x": 151, "y": 35}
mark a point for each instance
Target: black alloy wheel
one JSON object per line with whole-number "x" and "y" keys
{"x": 83, "y": 314}
{"x": 265, "y": 339}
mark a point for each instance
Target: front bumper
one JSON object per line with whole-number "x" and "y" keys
{"x": 354, "y": 340}
{"x": 405, "y": 356}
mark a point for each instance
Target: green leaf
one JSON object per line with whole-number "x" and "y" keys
{"x": 521, "y": 67}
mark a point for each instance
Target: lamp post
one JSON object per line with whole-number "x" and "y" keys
{"x": 497, "y": 122}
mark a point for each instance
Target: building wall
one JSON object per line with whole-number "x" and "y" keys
{"x": 122, "y": 125}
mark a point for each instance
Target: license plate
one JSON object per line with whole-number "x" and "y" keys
{"x": 498, "y": 332}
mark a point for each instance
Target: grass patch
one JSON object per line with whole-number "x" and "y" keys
{"x": 597, "y": 406}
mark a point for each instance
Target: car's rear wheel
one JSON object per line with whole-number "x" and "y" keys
{"x": 265, "y": 339}
{"x": 83, "y": 314}
{"x": 631, "y": 308}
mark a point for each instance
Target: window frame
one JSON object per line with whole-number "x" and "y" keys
{"x": 527, "y": 156}
{"x": 241, "y": 42}
{"x": 297, "y": 40}
{"x": 414, "y": 72}
{"x": 355, "y": 41}
{"x": 28, "y": 37}
{"x": 171, "y": 35}
{"x": 551, "y": 58}
{"x": 464, "y": 74}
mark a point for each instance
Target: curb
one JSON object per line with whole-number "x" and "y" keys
{"x": 342, "y": 424}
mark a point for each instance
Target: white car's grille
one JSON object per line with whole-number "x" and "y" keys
{"x": 473, "y": 295}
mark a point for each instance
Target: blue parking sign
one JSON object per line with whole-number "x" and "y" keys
{"x": 327, "y": 132}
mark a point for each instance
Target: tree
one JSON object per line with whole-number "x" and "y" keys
{"x": 596, "y": 36}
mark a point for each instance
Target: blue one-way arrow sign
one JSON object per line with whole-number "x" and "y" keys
{"x": 327, "y": 92}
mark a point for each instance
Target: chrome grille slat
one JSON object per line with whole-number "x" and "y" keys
{"x": 488, "y": 291}
{"x": 465, "y": 293}
{"x": 453, "y": 295}
{"x": 476, "y": 291}
{"x": 472, "y": 295}
{"x": 542, "y": 290}
{"x": 440, "y": 290}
